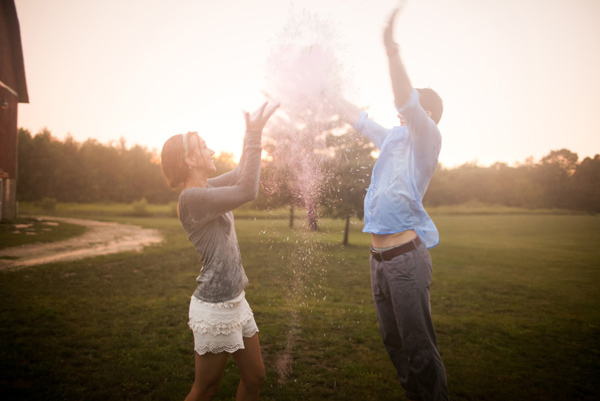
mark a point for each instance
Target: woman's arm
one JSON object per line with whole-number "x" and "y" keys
{"x": 213, "y": 201}
{"x": 206, "y": 203}
{"x": 231, "y": 177}
{"x": 225, "y": 179}
{"x": 252, "y": 138}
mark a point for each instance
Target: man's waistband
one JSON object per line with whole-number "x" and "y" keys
{"x": 397, "y": 251}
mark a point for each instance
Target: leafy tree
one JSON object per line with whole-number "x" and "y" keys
{"x": 563, "y": 159}
{"x": 349, "y": 176}
{"x": 224, "y": 162}
{"x": 90, "y": 172}
{"x": 296, "y": 147}
{"x": 441, "y": 190}
{"x": 276, "y": 190}
{"x": 586, "y": 185}
{"x": 554, "y": 173}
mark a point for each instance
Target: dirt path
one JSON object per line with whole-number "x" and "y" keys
{"x": 101, "y": 238}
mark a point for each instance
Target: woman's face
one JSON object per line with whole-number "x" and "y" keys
{"x": 202, "y": 154}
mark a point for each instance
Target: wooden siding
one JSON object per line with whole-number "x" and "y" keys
{"x": 12, "y": 75}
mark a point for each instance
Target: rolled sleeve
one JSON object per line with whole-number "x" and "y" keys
{"x": 423, "y": 130}
{"x": 412, "y": 101}
{"x": 371, "y": 130}
{"x": 360, "y": 121}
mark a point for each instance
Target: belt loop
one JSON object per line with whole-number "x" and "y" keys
{"x": 376, "y": 254}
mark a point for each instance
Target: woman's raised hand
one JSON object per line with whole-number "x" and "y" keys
{"x": 256, "y": 122}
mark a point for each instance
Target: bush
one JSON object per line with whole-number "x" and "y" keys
{"x": 173, "y": 207}
{"x": 48, "y": 204}
{"x": 140, "y": 208}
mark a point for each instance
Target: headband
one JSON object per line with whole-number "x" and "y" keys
{"x": 185, "y": 144}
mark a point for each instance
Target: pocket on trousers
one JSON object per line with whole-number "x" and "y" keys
{"x": 374, "y": 283}
{"x": 423, "y": 262}
{"x": 401, "y": 271}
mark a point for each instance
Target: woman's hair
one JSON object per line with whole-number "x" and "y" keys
{"x": 174, "y": 166}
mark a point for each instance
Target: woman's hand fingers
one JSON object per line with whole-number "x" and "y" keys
{"x": 259, "y": 118}
{"x": 271, "y": 111}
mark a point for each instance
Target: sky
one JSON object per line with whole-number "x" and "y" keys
{"x": 519, "y": 78}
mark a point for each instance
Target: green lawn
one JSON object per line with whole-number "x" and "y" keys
{"x": 515, "y": 302}
{"x": 30, "y": 230}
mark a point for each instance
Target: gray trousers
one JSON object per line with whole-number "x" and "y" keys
{"x": 401, "y": 293}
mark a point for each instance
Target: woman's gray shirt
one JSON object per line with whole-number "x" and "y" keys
{"x": 208, "y": 221}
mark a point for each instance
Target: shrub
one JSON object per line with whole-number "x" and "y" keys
{"x": 140, "y": 207}
{"x": 173, "y": 206}
{"x": 48, "y": 204}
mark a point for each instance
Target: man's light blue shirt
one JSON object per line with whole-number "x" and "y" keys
{"x": 408, "y": 158}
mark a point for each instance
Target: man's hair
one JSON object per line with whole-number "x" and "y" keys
{"x": 431, "y": 101}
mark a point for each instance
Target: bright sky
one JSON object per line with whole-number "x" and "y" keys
{"x": 519, "y": 78}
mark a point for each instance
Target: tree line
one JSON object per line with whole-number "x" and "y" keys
{"x": 70, "y": 171}
{"x": 558, "y": 180}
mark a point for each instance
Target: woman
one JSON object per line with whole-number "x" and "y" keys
{"x": 220, "y": 317}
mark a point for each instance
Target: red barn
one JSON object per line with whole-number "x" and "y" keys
{"x": 13, "y": 90}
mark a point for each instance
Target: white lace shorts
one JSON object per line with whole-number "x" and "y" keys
{"x": 220, "y": 327}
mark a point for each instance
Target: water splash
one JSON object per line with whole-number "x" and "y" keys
{"x": 301, "y": 277}
{"x": 303, "y": 70}
{"x": 303, "y": 74}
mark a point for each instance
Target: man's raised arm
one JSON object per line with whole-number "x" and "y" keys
{"x": 401, "y": 85}
{"x": 348, "y": 112}
{"x": 421, "y": 127}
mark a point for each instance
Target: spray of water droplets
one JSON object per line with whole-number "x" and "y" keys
{"x": 303, "y": 74}
{"x": 301, "y": 279}
{"x": 302, "y": 68}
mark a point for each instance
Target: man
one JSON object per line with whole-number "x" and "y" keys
{"x": 401, "y": 229}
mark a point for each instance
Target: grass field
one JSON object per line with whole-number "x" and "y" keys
{"x": 29, "y": 230}
{"x": 515, "y": 303}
